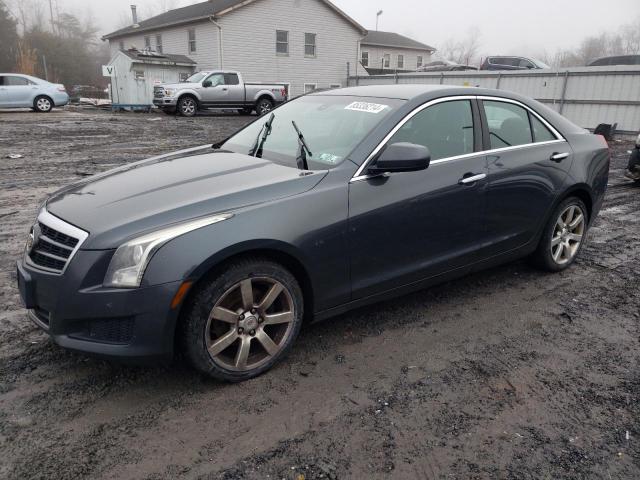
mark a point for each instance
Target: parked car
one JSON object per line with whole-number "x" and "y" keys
{"x": 25, "y": 91}
{"x": 216, "y": 89}
{"x": 512, "y": 63}
{"x": 333, "y": 201}
{"x": 444, "y": 66}
{"x": 616, "y": 60}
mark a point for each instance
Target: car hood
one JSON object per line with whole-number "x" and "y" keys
{"x": 140, "y": 197}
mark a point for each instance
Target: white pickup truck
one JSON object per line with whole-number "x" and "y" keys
{"x": 218, "y": 89}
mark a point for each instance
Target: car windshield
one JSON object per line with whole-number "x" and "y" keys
{"x": 540, "y": 64}
{"x": 332, "y": 127}
{"x": 197, "y": 77}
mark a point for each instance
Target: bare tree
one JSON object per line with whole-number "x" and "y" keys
{"x": 464, "y": 51}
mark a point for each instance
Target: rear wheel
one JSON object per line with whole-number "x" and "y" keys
{"x": 264, "y": 106}
{"x": 42, "y": 104}
{"x": 187, "y": 106}
{"x": 563, "y": 236}
{"x": 241, "y": 323}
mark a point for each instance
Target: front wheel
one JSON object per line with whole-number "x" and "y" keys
{"x": 42, "y": 104}
{"x": 264, "y": 106}
{"x": 563, "y": 236}
{"x": 187, "y": 106}
{"x": 245, "y": 320}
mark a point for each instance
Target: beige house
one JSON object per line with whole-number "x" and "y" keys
{"x": 387, "y": 52}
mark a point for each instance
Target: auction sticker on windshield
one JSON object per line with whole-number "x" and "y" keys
{"x": 366, "y": 107}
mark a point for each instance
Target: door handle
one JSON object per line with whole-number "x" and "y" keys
{"x": 225, "y": 89}
{"x": 472, "y": 179}
{"x": 558, "y": 157}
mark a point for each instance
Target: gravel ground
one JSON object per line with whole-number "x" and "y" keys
{"x": 511, "y": 373}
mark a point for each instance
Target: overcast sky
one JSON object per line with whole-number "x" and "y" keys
{"x": 506, "y": 26}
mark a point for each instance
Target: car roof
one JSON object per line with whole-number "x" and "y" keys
{"x": 418, "y": 94}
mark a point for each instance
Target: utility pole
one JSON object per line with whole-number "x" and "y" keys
{"x": 53, "y": 23}
{"x": 380, "y": 12}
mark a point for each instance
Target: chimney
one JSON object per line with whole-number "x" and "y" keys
{"x": 134, "y": 14}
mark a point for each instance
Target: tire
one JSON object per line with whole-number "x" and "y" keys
{"x": 561, "y": 242}
{"x": 245, "y": 111}
{"x": 264, "y": 106}
{"x": 242, "y": 320}
{"x": 188, "y": 106}
{"x": 42, "y": 104}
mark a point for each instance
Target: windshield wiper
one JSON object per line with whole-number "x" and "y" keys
{"x": 265, "y": 131}
{"x": 303, "y": 150}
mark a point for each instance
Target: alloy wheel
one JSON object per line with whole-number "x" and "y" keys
{"x": 568, "y": 234}
{"x": 250, "y": 324}
{"x": 264, "y": 108}
{"x": 188, "y": 107}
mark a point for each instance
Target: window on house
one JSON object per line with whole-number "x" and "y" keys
{"x": 192, "y": 40}
{"x": 121, "y": 45}
{"x": 147, "y": 43}
{"x": 282, "y": 42}
{"x": 309, "y": 44}
{"x": 400, "y": 61}
{"x": 310, "y": 87}
{"x": 386, "y": 60}
{"x": 139, "y": 74}
{"x": 419, "y": 64}
{"x": 159, "y": 43}
{"x": 365, "y": 59}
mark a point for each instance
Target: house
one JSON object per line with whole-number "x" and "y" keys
{"x": 135, "y": 72}
{"x": 306, "y": 44}
{"x": 387, "y": 52}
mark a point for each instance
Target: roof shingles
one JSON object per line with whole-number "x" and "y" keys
{"x": 390, "y": 39}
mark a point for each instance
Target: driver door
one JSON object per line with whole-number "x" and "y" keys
{"x": 214, "y": 93}
{"x": 408, "y": 226}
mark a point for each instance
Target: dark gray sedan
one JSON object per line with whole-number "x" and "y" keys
{"x": 334, "y": 201}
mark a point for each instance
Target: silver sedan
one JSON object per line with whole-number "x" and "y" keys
{"x": 25, "y": 91}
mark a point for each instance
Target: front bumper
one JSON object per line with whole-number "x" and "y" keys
{"x": 165, "y": 102}
{"x": 132, "y": 325}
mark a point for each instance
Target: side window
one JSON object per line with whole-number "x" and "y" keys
{"x": 216, "y": 79}
{"x": 16, "y": 81}
{"x": 540, "y": 132}
{"x": 2, "y": 80}
{"x": 446, "y": 129}
{"x": 231, "y": 79}
{"x": 508, "y": 124}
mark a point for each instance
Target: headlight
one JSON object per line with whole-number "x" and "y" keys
{"x": 131, "y": 259}
{"x": 169, "y": 92}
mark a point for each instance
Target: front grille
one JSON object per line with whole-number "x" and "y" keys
{"x": 54, "y": 243}
{"x": 109, "y": 330}
{"x": 158, "y": 92}
{"x": 58, "y": 237}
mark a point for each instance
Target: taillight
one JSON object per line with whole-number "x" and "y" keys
{"x": 604, "y": 140}
{"x": 61, "y": 88}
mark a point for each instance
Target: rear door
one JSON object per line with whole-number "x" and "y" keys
{"x": 235, "y": 91}
{"x": 408, "y": 226}
{"x": 528, "y": 161}
{"x": 19, "y": 91}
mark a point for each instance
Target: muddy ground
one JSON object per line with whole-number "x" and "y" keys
{"x": 511, "y": 373}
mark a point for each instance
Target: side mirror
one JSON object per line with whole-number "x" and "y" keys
{"x": 206, "y": 83}
{"x": 402, "y": 157}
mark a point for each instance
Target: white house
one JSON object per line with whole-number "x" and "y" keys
{"x": 306, "y": 44}
{"x": 386, "y": 52}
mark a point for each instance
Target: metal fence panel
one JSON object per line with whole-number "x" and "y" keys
{"x": 587, "y": 96}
